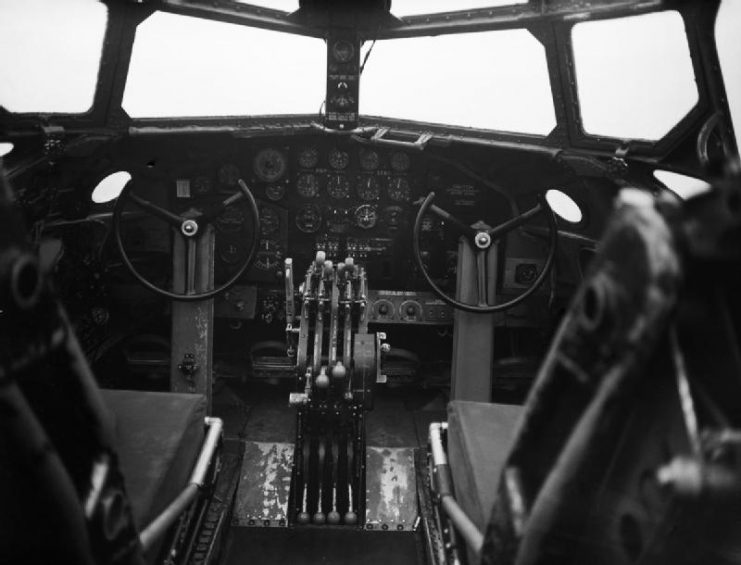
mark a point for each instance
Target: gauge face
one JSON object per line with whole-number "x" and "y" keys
{"x": 338, "y": 186}
{"x": 269, "y": 255}
{"x": 270, "y": 165}
{"x": 309, "y": 218}
{"x": 368, "y": 188}
{"x": 339, "y": 159}
{"x": 269, "y": 220}
{"x": 393, "y": 217}
{"x": 231, "y": 252}
{"x": 366, "y": 216}
{"x": 231, "y": 220}
{"x": 275, "y": 192}
{"x": 399, "y": 190}
{"x": 343, "y": 51}
{"x": 202, "y": 185}
{"x": 400, "y": 162}
{"x": 229, "y": 174}
{"x": 308, "y": 158}
{"x": 307, "y": 185}
{"x": 338, "y": 220}
{"x": 369, "y": 159}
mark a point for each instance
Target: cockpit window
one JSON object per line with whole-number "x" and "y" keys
{"x": 634, "y": 75}
{"x": 183, "y": 66}
{"x": 45, "y": 66}
{"x": 729, "y": 53}
{"x": 468, "y": 79}
{"x": 401, "y": 8}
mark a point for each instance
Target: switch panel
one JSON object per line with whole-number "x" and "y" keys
{"x": 407, "y": 307}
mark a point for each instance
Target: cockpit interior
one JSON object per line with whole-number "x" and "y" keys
{"x": 382, "y": 281}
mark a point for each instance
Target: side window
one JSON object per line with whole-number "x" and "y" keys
{"x": 729, "y": 52}
{"x": 49, "y": 54}
{"x": 634, "y": 75}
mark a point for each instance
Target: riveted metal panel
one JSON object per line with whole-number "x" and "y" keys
{"x": 265, "y": 483}
{"x": 391, "y": 489}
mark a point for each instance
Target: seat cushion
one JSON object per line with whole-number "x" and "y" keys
{"x": 157, "y": 437}
{"x": 479, "y": 439}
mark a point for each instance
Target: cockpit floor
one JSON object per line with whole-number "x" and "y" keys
{"x": 259, "y": 412}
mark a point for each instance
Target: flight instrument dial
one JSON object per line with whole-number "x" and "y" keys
{"x": 338, "y": 186}
{"x": 399, "y": 189}
{"x": 270, "y": 165}
{"x": 307, "y": 185}
{"x": 366, "y": 216}
{"x": 309, "y": 218}
{"x": 368, "y": 188}
{"x": 339, "y": 159}
{"x": 309, "y": 157}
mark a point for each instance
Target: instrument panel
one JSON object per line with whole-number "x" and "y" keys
{"x": 340, "y": 197}
{"x": 337, "y": 195}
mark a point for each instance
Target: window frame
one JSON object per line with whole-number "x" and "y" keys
{"x": 551, "y": 27}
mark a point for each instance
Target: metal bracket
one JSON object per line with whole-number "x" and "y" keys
{"x": 188, "y": 367}
{"x": 53, "y": 141}
{"x": 419, "y": 145}
{"x": 617, "y": 167}
{"x": 381, "y": 349}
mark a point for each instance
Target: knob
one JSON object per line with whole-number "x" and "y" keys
{"x": 322, "y": 381}
{"x": 351, "y": 518}
{"x": 333, "y": 517}
{"x": 350, "y": 265}
{"x": 303, "y": 518}
{"x": 328, "y": 268}
{"x": 383, "y": 309}
{"x": 339, "y": 371}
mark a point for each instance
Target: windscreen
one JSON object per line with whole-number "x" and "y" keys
{"x": 183, "y": 66}
{"x": 495, "y": 80}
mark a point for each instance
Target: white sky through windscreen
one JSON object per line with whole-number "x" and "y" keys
{"x": 490, "y": 80}
{"x": 45, "y": 66}
{"x": 184, "y": 66}
{"x": 728, "y": 41}
{"x": 196, "y": 67}
{"x": 634, "y": 75}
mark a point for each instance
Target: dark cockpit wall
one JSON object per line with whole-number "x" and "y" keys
{"x": 354, "y": 191}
